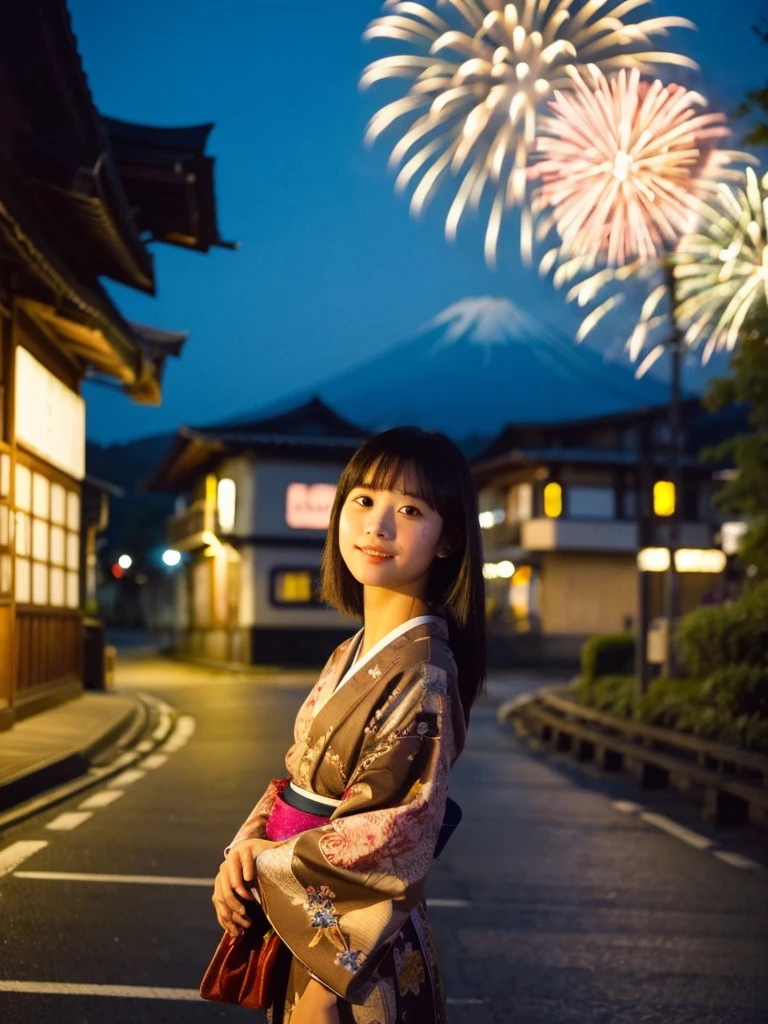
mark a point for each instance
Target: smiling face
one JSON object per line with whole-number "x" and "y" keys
{"x": 389, "y": 538}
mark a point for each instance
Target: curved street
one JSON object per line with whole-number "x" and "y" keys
{"x": 555, "y": 903}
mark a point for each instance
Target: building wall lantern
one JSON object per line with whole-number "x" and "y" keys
{"x": 553, "y": 500}
{"x": 664, "y": 498}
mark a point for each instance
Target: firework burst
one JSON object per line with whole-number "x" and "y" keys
{"x": 721, "y": 271}
{"x": 625, "y": 164}
{"x": 707, "y": 285}
{"x": 479, "y": 79}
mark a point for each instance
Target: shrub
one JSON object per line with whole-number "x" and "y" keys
{"x": 717, "y": 638}
{"x": 738, "y": 690}
{"x": 615, "y": 694}
{"x": 666, "y": 700}
{"x": 611, "y": 654}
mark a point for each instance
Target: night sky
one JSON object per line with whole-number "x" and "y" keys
{"x": 332, "y": 267}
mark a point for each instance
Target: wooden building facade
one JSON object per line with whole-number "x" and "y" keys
{"x": 80, "y": 197}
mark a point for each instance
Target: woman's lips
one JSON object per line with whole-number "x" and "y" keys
{"x": 375, "y": 554}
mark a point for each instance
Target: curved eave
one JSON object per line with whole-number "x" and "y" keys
{"x": 102, "y": 243}
{"x": 188, "y": 456}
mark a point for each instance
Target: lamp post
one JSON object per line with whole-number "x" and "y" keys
{"x": 675, "y": 345}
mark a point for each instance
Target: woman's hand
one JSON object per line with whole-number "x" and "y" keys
{"x": 236, "y": 873}
{"x": 318, "y": 1005}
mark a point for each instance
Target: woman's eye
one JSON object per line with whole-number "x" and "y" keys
{"x": 411, "y": 511}
{"x": 361, "y": 498}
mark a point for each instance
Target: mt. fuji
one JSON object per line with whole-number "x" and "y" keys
{"x": 480, "y": 364}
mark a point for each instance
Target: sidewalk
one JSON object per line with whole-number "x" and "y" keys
{"x": 76, "y": 743}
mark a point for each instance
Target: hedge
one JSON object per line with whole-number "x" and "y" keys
{"x": 722, "y": 636}
{"x": 610, "y": 654}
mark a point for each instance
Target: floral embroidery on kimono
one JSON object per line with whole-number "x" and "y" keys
{"x": 346, "y": 897}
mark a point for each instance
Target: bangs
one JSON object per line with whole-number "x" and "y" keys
{"x": 389, "y": 471}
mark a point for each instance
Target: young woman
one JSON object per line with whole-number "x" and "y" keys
{"x": 374, "y": 742}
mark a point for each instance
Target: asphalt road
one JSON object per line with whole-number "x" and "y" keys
{"x": 577, "y": 912}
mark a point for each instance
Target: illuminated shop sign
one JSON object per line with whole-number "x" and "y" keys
{"x": 308, "y": 506}
{"x": 50, "y": 417}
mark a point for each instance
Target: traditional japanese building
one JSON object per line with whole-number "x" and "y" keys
{"x": 252, "y": 515}
{"x": 565, "y": 510}
{"x": 80, "y": 198}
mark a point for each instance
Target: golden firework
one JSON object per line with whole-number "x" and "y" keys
{"x": 479, "y": 77}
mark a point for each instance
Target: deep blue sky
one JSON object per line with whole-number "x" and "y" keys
{"x": 332, "y": 267}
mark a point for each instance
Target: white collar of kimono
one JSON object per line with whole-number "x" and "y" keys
{"x": 393, "y": 634}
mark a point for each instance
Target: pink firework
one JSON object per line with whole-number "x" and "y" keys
{"x": 624, "y": 165}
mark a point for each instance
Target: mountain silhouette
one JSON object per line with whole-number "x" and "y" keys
{"x": 480, "y": 364}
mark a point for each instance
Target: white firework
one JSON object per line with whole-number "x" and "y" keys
{"x": 721, "y": 271}
{"x": 479, "y": 77}
{"x": 709, "y": 283}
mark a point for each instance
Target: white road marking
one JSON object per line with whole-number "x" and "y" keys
{"x": 145, "y": 746}
{"x": 184, "y": 729}
{"x": 62, "y": 988}
{"x": 17, "y": 853}
{"x": 190, "y": 995}
{"x": 126, "y": 778}
{"x": 698, "y": 842}
{"x": 102, "y": 799}
{"x": 66, "y": 876}
{"x": 154, "y": 761}
{"x": 69, "y": 820}
{"x": 736, "y": 860}
{"x": 626, "y": 806}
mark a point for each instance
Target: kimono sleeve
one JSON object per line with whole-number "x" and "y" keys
{"x": 254, "y": 825}
{"x": 338, "y": 894}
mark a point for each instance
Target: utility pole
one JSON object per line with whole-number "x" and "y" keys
{"x": 645, "y": 539}
{"x": 675, "y": 345}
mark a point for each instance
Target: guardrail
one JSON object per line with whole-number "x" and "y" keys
{"x": 731, "y": 784}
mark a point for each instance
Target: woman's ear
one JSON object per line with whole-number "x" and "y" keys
{"x": 447, "y": 545}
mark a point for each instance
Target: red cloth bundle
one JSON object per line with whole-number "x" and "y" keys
{"x": 242, "y": 970}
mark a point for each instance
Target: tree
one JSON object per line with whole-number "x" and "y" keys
{"x": 747, "y": 492}
{"x": 757, "y": 100}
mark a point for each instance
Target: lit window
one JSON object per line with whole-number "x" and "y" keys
{"x": 226, "y": 493}
{"x": 294, "y": 586}
{"x": 664, "y": 498}
{"x": 553, "y": 500}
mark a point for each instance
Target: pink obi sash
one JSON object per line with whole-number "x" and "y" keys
{"x": 288, "y": 819}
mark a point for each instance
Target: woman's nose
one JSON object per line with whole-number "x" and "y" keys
{"x": 379, "y": 524}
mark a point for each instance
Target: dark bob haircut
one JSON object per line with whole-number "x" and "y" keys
{"x": 432, "y": 468}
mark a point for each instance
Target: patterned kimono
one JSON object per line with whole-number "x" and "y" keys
{"x": 346, "y": 897}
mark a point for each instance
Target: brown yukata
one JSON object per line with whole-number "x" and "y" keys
{"x": 346, "y": 898}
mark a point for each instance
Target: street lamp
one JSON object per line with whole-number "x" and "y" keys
{"x": 125, "y": 562}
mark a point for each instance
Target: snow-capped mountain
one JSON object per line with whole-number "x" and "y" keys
{"x": 480, "y": 364}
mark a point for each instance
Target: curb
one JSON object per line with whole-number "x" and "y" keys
{"x": 117, "y": 749}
